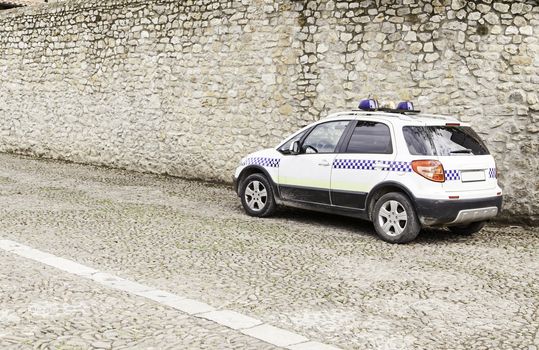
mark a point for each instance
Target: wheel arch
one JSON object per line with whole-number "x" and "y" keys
{"x": 384, "y": 188}
{"x": 256, "y": 169}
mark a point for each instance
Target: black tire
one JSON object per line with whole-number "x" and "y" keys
{"x": 390, "y": 224}
{"x": 266, "y": 204}
{"x": 469, "y": 229}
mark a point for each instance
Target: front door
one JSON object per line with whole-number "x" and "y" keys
{"x": 305, "y": 177}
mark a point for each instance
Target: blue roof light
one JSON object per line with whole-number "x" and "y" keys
{"x": 405, "y": 106}
{"x": 368, "y": 105}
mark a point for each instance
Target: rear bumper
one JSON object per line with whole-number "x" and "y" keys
{"x": 433, "y": 212}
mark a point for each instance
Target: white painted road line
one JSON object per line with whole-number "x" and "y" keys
{"x": 310, "y": 345}
{"x": 274, "y": 335}
{"x": 231, "y": 319}
{"x": 247, "y": 325}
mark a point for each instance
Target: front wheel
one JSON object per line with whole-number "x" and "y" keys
{"x": 394, "y": 218}
{"x": 257, "y": 196}
{"x": 469, "y": 229}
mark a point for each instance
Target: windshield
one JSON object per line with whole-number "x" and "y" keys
{"x": 443, "y": 141}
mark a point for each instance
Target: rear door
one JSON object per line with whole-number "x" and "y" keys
{"x": 468, "y": 166}
{"x": 365, "y": 161}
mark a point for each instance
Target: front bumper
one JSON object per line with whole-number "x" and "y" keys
{"x": 235, "y": 184}
{"x": 432, "y": 212}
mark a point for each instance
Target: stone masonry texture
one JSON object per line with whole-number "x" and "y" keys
{"x": 188, "y": 87}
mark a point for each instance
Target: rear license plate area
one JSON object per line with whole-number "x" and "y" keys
{"x": 472, "y": 175}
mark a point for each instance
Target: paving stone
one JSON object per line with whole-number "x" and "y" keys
{"x": 112, "y": 281}
{"x": 324, "y": 277}
{"x": 77, "y": 313}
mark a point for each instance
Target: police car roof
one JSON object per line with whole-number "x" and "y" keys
{"x": 405, "y": 118}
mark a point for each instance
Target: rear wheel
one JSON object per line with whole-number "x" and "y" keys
{"x": 469, "y": 229}
{"x": 257, "y": 196}
{"x": 394, "y": 218}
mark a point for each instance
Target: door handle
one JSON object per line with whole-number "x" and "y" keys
{"x": 379, "y": 166}
{"x": 323, "y": 163}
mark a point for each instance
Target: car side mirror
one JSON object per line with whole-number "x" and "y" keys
{"x": 294, "y": 147}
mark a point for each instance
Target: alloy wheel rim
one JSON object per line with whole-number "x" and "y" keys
{"x": 256, "y": 195}
{"x": 392, "y": 218}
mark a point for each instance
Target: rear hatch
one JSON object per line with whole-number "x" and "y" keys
{"x": 468, "y": 165}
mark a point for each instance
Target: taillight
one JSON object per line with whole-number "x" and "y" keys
{"x": 429, "y": 169}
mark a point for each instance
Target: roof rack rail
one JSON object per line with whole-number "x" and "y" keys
{"x": 439, "y": 116}
{"x": 399, "y": 111}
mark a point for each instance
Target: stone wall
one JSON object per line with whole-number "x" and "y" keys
{"x": 188, "y": 87}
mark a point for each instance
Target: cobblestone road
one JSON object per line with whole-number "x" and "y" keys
{"x": 325, "y": 277}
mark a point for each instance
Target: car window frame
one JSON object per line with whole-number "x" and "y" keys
{"x": 339, "y": 143}
{"x": 346, "y": 142}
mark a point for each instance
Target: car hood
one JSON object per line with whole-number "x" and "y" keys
{"x": 265, "y": 153}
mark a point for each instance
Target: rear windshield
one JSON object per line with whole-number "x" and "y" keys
{"x": 443, "y": 141}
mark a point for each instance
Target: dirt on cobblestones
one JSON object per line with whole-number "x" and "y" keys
{"x": 326, "y": 277}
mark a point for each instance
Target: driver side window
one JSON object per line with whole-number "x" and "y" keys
{"x": 324, "y": 137}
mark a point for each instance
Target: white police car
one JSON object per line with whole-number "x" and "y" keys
{"x": 399, "y": 168}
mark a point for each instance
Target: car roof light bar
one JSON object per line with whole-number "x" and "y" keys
{"x": 371, "y": 105}
{"x": 368, "y": 105}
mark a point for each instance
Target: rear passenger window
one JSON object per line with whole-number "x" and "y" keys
{"x": 443, "y": 141}
{"x": 370, "y": 137}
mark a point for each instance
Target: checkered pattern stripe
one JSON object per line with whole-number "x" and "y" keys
{"x": 452, "y": 175}
{"x": 398, "y": 166}
{"x": 492, "y": 173}
{"x": 368, "y": 164}
{"x": 262, "y": 161}
{"x": 363, "y": 164}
